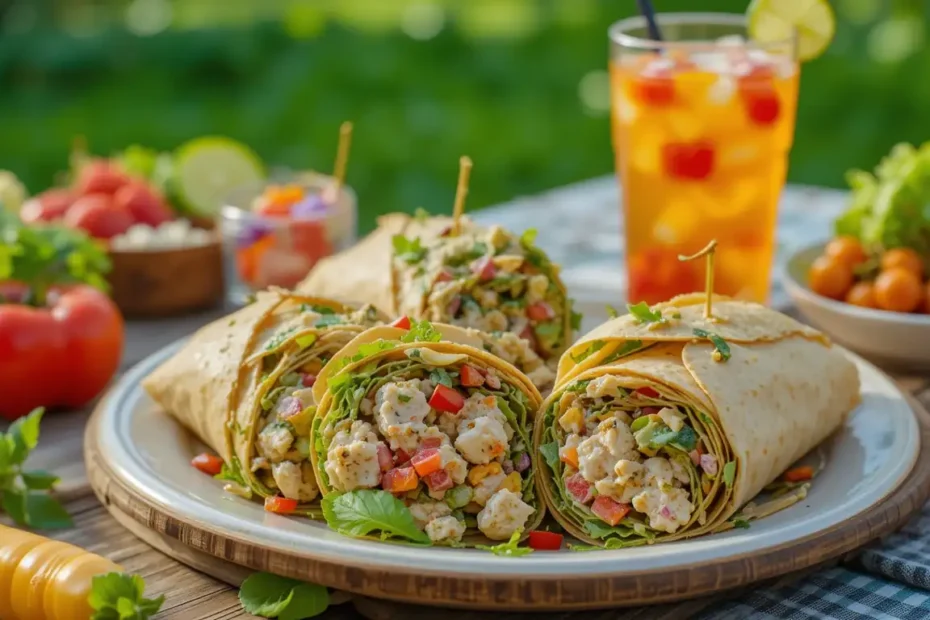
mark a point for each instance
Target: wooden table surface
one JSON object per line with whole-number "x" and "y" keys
{"x": 191, "y": 595}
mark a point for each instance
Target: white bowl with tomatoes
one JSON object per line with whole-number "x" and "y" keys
{"x": 874, "y": 303}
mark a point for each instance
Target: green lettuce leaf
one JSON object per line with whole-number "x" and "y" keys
{"x": 511, "y": 548}
{"x": 358, "y": 513}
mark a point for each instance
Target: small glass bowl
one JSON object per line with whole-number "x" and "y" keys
{"x": 262, "y": 249}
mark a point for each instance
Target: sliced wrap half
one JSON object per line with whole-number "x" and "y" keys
{"x": 243, "y": 385}
{"x": 663, "y": 425}
{"x": 422, "y": 436}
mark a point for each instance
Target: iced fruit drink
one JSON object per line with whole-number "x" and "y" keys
{"x": 701, "y": 133}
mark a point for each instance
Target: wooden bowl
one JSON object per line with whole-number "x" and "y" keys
{"x": 167, "y": 282}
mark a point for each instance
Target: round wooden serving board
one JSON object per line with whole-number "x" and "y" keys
{"x": 221, "y": 555}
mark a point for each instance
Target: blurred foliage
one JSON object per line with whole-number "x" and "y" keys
{"x": 519, "y": 85}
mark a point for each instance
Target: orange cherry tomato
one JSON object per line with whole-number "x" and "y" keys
{"x": 904, "y": 258}
{"x": 846, "y": 249}
{"x": 862, "y": 294}
{"x": 830, "y": 277}
{"x": 280, "y": 505}
{"x": 898, "y": 290}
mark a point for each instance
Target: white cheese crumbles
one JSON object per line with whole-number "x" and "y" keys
{"x": 168, "y": 236}
{"x": 445, "y": 529}
{"x": 504, "y": 514}
{"x": 352, "y": 460}
{"x": 401, "y": 408}
{"x": 295, "y": 481}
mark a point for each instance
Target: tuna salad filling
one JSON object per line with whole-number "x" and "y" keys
{"x": 628, "y": 463}
{"x": 443, "y": 433}
{"x": 486, "y": 279}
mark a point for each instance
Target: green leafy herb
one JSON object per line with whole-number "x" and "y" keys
{"x": 315, "y": 308}
{"x": 528, "y": 238}
{"x": 706, "y": 419}
{"x": 328, "y": 320}
{"x": 440, "y": 375}
{"x": 721, "y": 348}
{"x": 742, "y": 524}
{"x": 408, "y": 251}
{"x": 44, "y": 255}
{"x": 280, "y": 338}
{"x": 685, "y": 438}
{"x": 578, "y": 387}
{"x": 592, "y": 348}
{"x": 305, "y": 340}
{"x": 118, "y": 596}
{"x": 729, "y": 473}
{"x": 230, "y": 474}
{"x": 550, "y": 452}
{"x": 270, "y": 596}
{"x": 358, "y": 513}
{"x": 510, "y": 548}
{"x": 24, "y": 494}
{"x": 403, "y": 398}
{"x": 644, "y": 314}
{"x": 612, "y": 312}
{"x": 421, "y": 331}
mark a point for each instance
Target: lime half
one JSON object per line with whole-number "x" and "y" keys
{"x": 208, "y": 169}
{"x": 776, "y": 20}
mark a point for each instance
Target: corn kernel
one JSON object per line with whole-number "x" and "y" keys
{"x": 512, "y": 483}
{"x": 572, "y": 421}
{"x": 480, "y": 472}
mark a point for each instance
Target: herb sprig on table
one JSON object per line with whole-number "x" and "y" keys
{"x": 24, "y": 495}
{"x": 118, "y": 596}
{"x": 270, "y": 596}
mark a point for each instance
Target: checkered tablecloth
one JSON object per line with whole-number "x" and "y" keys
{"x": 581, "y": 229}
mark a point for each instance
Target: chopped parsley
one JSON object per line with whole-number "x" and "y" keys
{"x": 742, "y": 524}
{"x": 403, "y": 398}
{"x": 440, "y": 375}
{"x": 721, "y": 348}
{"x": 421, "y": 331}
{"x": 644, "y": 314}
{"x": 612, "y": 312}
{"x": 408, "y": 251}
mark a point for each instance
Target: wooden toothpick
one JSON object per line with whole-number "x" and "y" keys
{"x": 460, "y": 193}
{"x": 707, "y": 252}
{"x": 342, "y": 156}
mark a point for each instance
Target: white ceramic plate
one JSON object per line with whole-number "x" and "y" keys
{"x": 149, "y": 453}
{"x": 892, "y": 339}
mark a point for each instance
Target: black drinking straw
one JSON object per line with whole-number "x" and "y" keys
{"x": 645, "y": 7}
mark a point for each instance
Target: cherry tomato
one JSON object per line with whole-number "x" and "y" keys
{"x": 898, "y": 290}
{"x": 904, "y": 258}
{"x": 846, "y": 249}
{"x": 99, "y": 216}
{"x": 402, "y": 323}
{"x": 209, "y": 464}
{"x": 691, "y": 161}
{"x": 280, "y": 505}
{"x": 579, "y": 488}
{"x": 144, "y": 203}
{"x": 830, "y": 277}
{"x": 470, "y": 377}
{"x": 608, "y": 510}
{"x": 446, "y": 399}
{"x": 47, "y": 206}
{"x": 540, "y": 311}
{"x": 545, "y": 541}
{"x": 862, "y": 294}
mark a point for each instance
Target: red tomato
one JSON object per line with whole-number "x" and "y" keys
{"x": 100, "y": 176}
{"x": 60, "y": 355}
{"x": 429, "y": 442}
{"x": 144, "y": 203}
{"x": 426, "y": 461}
{"x": 540, "y": 311}
{"x": 280, "y": 505}
{"x": 99, "y": 216}
{"x": 545, "y": 541}
{"x": 579, "y": 488}
{"x": 401, "y": 457}
{"x": 484, "y": 268}
{"x": 208, "y": 463}
{"x": 48, "y": 206}
{"x": 439, "y": 480}
{"x": 690, "y": 161}
{"x": 403, "y": 322}
{"x": 385, "y": 458}
{"x": 444, "y": 276}
{"x": 399, "y": 480}
{"x": 446, "y": 399}
{"x": 799, "y": 474}
{"x": 307, "y": 380}
{"x": 608, "y": 510}
{"x": 647, "y": 391}
{"x": 470, "y": 376}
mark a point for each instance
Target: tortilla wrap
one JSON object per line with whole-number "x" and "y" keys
{"x": 378, "y": 376}
{"x": 724, "y": 428}
{"x": 246, "y": 375}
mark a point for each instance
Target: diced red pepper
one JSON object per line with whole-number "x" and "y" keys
{"x": 446, "y": 399}
{"x": 426, "y": 461}
{"x": 470, "y": 376}
{"x": 429, "y": 442}
{"x": 608, "y": 510}
{"x": 280, "y": 505}
{"x": 579, "y": 488}
{"x": 209, "y": 464}
{"x": 439, "y": 480}
{"x": 484, "y": 268}
{"x": 307, "y": 380}
{"x": 648, "y": 392}
{"x": 444, "y": 276}
{"x": 541, "y": 540}
{"x": 385, "y": 458}
{"x": 691, "y": 161}
{"x": 799, "y": 474}
{"x": 540, "y": 311}
{"x": 399, "y": 480}
{"x": 401, "y": 457}
{"x": 403, "y": 322}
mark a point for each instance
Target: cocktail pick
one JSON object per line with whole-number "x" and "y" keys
{"x": 646, "y": 8}
{"x": 342, "y": 156}
{"x": 460, "y": 193}
{"x": 708, "y": 253}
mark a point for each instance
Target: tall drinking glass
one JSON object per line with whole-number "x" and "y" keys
{"x": 702, "y": 125}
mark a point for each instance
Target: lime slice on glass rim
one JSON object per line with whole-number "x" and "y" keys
{"x": 207, "y": 170}
{"x": 776, "y": 20}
